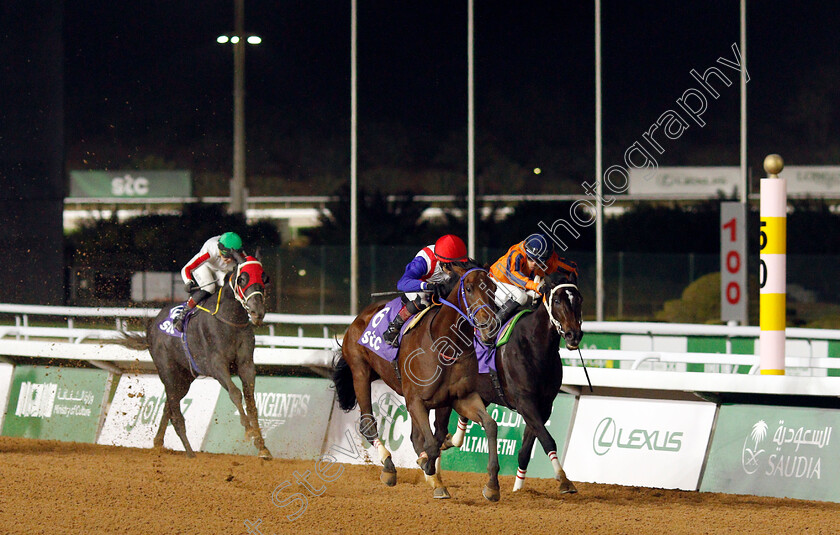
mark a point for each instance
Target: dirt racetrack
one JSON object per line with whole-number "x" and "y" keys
{"x": 58, "y": 487}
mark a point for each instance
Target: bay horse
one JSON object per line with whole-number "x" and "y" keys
{"x": 220, "y": 341}
{"x": 530, "y": 371}
{"x": 437, "y": 370}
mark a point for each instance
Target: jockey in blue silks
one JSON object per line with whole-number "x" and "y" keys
{"x": 424, "y": 277}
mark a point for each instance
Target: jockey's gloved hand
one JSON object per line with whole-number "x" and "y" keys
{"x": 433, "y": 288}
{"x": 543, "y": 289}
{"x": 191, "y": 286}
{"x": 440, "y": 290}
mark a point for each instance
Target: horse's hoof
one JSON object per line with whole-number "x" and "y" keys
{"x": 265, "y": 454}
{"x": 442, "y": 494}
{"x": 389, "y": 478}
{"x": 447, "y": 443}
{"x": 567, "y": 487}
{"x": 492, "y": 495}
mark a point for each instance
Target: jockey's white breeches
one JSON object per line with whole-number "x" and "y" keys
{"x": 505, "y": 291}
{"x": 424, "y": 297}
{"x": 208, "y": 279}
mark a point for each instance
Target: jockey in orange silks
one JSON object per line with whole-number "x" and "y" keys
{"x": 519, "y": 273}
{"x": 425, "y": 276}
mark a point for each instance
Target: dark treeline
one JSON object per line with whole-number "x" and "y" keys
{"x": 164, "y": 242}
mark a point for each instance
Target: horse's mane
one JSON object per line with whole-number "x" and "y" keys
{"x": 561, "y": 277}
{"x": 467, "y": 265}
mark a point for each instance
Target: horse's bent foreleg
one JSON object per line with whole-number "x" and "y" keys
{"x": 460, "y": 432}
{"x": 427, "y": 447}
{"x": 473, "y": 408}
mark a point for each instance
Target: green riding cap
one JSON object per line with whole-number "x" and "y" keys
{"x": 229, "y": 241}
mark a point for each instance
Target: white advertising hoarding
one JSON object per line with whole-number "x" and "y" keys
{"x": 813, "y": 180}
{"x": 6, "y": 372}
{"x": 346, "y": 444}
{"x": 135, "y": 412}
{"x": 676, "y": 181}
{"x": 648, "y": 443}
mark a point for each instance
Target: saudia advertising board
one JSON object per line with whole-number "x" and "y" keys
{"x": 775, "y": 451}
{"x": 649, "y": 443}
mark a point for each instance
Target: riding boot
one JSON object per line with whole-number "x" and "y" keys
{"x": 178, "y": 323}
{"x": 506, "y": 310}
{"x": 392, "y": 334}
{"x": 197, "y": 297}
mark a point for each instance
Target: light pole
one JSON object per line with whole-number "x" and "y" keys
{"x": 238, "y": 193}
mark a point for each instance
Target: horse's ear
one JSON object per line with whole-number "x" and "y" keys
{"x": 258, "y": 255}
{"x": 239, "y": 257}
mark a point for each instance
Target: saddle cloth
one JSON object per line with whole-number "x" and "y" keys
{"x": 371, "y": 338}
{"x": 485, "y": 355}
{"x": 167, "y": 325}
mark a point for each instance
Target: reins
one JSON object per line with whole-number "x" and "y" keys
{"x": 557, "y": 325}
{"x": 462, "y": 301}
{"x": 243, "y": 300}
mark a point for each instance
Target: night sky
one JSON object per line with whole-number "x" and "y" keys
{"x": 150, "y": 74}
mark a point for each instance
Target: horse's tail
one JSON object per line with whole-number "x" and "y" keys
{"x": 342, "y": 378}
{"x": 137, "y": 341}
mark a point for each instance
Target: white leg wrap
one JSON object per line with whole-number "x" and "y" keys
{"x": 383, "y": 453}
{"x": 460, "y": 433}
{"x": 555, "y": 462}
{"x": 520, "y": 479}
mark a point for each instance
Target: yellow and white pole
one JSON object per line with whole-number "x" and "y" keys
{"x": 772, "y": 268}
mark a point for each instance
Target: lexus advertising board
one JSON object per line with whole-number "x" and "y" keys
{"x": 649, "y": 443}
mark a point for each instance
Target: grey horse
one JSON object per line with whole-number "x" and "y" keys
{"x": 220, "y": 340}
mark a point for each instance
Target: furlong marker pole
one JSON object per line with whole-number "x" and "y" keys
{"x": 772, "y": 268}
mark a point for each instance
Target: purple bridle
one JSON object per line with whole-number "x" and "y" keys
{"x": 462, "y": 301}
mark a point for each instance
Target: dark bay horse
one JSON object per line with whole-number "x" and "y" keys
{"x": 220, "y": 340}
{"x": 438, "y": 369}
{"x": 530, "y": 371}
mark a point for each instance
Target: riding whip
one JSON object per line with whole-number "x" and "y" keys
{"x": 385, "y": 294}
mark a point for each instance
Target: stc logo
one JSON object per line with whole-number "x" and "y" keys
{"x": 129, "y": 186}
{"x": 608, "y": 434}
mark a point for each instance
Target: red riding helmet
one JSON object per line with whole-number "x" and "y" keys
{"x": 450, "y": 248}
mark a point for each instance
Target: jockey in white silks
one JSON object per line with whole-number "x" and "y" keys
{"x": 205, "y": 272}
